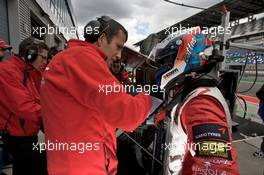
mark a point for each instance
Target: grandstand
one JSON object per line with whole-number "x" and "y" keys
{"x": 239, "y": 56}
{"x": 251, "y": 28}
{"x": 251, "y": 32}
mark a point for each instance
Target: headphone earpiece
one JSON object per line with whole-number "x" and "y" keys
{"x": 94, "y": 29}
{"x": 31, "y": 54}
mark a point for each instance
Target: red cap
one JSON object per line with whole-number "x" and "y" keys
{"x": 4, "y": 45}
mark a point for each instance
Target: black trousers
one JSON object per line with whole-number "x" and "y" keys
{"x": 27, "y": 161}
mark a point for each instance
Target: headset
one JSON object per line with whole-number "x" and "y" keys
{"x": 94, "y": 29}
{"x": 31, "y": 53}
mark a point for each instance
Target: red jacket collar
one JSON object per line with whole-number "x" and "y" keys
{"x": 75, "y": 42}
{"x": 21, "y": 64}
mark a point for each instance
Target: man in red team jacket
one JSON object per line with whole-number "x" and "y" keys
{"x": 80, "y": 119}
{"x": 20, "y": 104}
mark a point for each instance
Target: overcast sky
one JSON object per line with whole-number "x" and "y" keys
{"x": 139, "y": 17}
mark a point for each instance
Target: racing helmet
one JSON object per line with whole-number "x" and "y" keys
{"x": 180, "y": 54}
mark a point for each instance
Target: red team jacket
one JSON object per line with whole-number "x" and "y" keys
{"x": 19, "y": 99}
{"x": 77, "y": 112}
{"x": 37, "y": 75}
